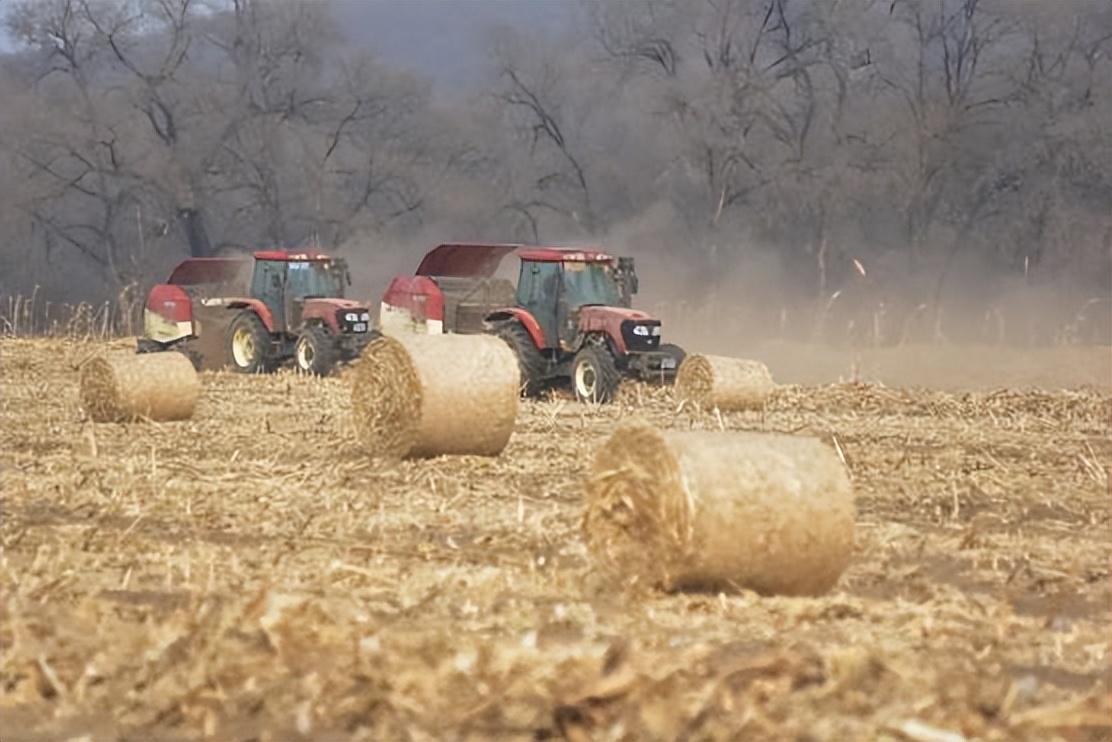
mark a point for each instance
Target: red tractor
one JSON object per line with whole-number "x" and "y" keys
{"x": 251, "y": 314}
{"x": 569, "y": 316}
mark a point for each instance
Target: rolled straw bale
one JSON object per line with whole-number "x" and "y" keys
{"x": 156, "y": 386}
{"x": 725, "y": 383}
{"x": 707, "y": 510}
{"x": 427, "y": 395}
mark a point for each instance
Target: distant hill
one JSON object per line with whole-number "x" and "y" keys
{"x": 442, "y": 38}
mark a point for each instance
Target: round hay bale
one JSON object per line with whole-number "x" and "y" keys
{"x": 702, "y": 510}
{"x": 725, "y": 383}
{"x": 427, "y": 395}
{"x": 155, "y": 386}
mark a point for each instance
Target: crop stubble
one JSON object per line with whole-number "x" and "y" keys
{"x": 251, "y": 572}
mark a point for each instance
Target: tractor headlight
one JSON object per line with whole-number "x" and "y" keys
{"x": 365, "y": 317}
{"x": 351, "y": 317}
{"x": 641, "y": 330}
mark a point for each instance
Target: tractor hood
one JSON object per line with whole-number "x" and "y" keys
{"x": 319, "y": 304}
{"x": 629, "y": 329}
{"x": 335, "y": 303}
{"x": 464, "y": 260}
{"x": 601, "y": 314}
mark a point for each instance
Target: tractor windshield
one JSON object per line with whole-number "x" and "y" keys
{"x": 590, "y": 283}
{"x": 323, "y": 278}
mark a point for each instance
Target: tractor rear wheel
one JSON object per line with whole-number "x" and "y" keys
{"x": 315, "y": 353}
{"x": 594, "y": 375}
{"x": 249, "y": 345}
{"x": 529, "y": 358}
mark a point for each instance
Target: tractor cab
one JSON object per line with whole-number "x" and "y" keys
{"x": 555, "y": 284}
{"x": 285, "y": 281}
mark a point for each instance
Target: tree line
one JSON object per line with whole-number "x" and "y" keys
{"x": 904, "y": 153}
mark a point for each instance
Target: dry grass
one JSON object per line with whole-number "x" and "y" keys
{"x": 252, "y": 574}
{"x": 28, "y": 316}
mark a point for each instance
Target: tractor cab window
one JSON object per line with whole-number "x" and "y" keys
{"x": 590, "y": 283}
{"x": 538, "y": 285}
{"x": 267, "y": 283}
{"x": 314, "y": 278}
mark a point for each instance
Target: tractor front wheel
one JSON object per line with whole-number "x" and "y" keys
{"x": 678, "y": 355}
{"x": 315, "y": 353}
{"x": 529, "y": 359}
{"x": 249, "y": 345}
{"x": 594, "y": 376}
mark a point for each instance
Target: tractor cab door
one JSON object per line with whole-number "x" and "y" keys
{"x": 269, "y": 286}
{"x": 538, "y": 291}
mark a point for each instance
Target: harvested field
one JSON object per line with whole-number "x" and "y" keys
{"x": 251, "y": 573}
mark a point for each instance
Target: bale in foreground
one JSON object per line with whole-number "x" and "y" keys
{"x": 155, "y": 386}
{"x": 427, "y": 395}
{"x": 704, "y": 510}
{"x": 725, "y": 383}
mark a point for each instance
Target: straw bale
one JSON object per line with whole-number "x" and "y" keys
{"x": 427, "y": 395}
{"x": 725, "y": 383}
{"x": 719, "y": 511}
{"x": 156, "y": 386}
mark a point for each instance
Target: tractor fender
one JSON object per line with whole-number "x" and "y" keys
{"x": 527, "y": 320}
{"x": 601, "y": 340}
{"x": 255, "y": 305}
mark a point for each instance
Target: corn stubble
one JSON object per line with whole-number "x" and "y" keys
{"x": 251, "y": 573}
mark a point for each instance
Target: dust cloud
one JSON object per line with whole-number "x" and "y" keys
{"x": 952, "y": 323}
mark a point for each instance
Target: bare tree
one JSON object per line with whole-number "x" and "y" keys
{"x": 947, "y": 71}
{"x": 200, "y": 132}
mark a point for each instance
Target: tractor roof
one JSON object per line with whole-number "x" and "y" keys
{"x": 464, "y": 259}
{"x": 290, "y": 255}
{"x": 472, "y": 259}
{"x": 563, "y": 255}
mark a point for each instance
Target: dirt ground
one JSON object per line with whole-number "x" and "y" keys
{"x": 252, "y": 574}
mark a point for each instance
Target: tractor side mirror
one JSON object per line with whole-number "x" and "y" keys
{"x": 629, "y": 275}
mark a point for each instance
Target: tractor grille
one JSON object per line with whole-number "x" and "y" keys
{"x": 641, "y": 335}
{"x": 353, "y": 321}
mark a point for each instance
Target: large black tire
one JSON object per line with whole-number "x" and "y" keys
{"x": 315, "y": 352}
{"x": 529, "y": 358}
{"x": 594, "y": 376}
{"x": 249, "y": 348}
{"x": 676, "y": 352}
